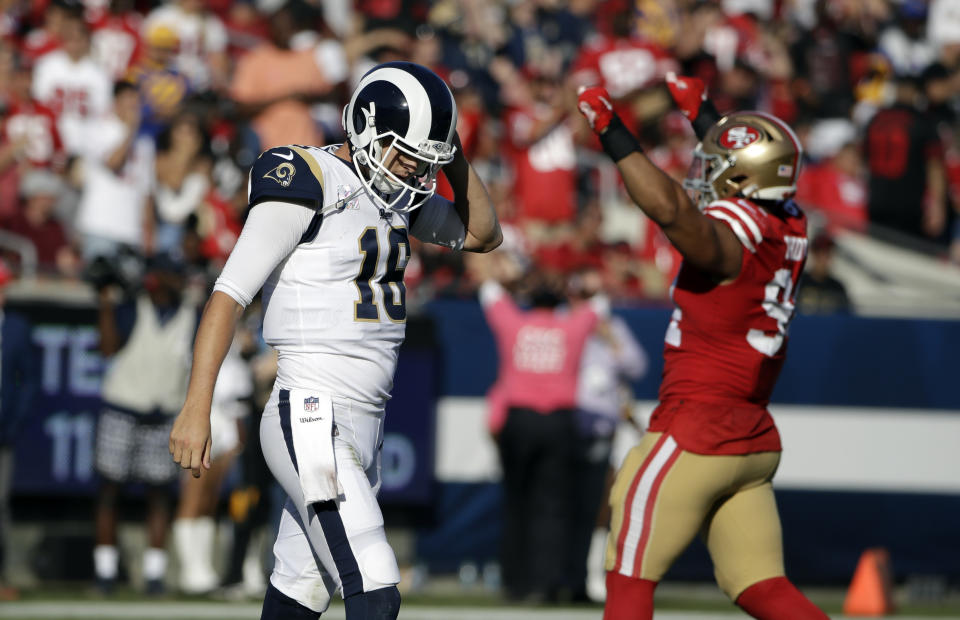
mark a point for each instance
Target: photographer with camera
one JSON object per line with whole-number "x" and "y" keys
{"x": 148, "y": 342}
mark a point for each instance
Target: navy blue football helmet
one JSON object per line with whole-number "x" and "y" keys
{"x": 405, "y": 107}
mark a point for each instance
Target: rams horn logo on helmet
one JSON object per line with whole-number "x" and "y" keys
{"x": 282, "y": 174}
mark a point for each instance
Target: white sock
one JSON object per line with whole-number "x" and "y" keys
{"x": 154, "y": 564}
{"x": 183, "y": 542}
{"x": 596, "y": 575}
{"x": 194, "y": 540}
{"x": 205, "y": 532}
{"x": 106, "y": 560}
{"x": 205, "y": 535}
{"x": 254, "y": 577}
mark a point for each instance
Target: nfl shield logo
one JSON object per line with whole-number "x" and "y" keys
{"x": 311, "y": 403}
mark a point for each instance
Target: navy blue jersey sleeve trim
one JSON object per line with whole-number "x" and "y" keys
{"x": 287, "y": 174}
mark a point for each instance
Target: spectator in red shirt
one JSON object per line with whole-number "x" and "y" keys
{"x": 28, "y": 130}
{"x": 622, "y": 62}
{"x": 115, "y": 39}
{"x": 541, "y": 148}
{"x": 36, "y": 223}
{"x": 47, "y": 37}
{"x": 835, "y": 184}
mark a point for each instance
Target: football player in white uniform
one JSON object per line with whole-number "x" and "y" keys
{"x": 327, "y": 239}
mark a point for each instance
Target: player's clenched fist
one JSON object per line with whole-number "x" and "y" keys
{"x": 594, "y": 104}
{"x": 688, "y": 93}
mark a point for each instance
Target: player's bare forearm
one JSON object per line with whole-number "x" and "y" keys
{"x": 661, "y": 198}
{"x": 697, "y": 237}
{"x": 213, "y": 340}
{"x": 473, "y": 205}
{"x": 190, "y": 443}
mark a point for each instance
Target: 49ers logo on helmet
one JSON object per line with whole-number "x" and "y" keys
{"x": 738, "y": 136}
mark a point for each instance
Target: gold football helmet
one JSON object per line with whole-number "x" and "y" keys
{"x": 747, "y": 154}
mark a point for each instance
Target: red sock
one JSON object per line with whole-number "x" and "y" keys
{"x": 628, "y": 598}
{"x": 777, "y": 599}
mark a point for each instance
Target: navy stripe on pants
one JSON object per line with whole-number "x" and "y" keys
{"x": 333, "y": 531}
{"x": 284, "y": 406}
{"x": 327, "y": 514}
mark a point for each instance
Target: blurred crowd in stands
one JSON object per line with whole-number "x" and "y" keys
{"x": 127, "y": 127}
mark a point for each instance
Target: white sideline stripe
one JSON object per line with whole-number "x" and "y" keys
{"x": 826, "y": 447}
{"x": 638, "y": 505}
{"x": 743, "y": 215}
{"x": 735, "y": 226}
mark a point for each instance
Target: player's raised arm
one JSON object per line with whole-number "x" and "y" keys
{"x": 473, "y": 204}
{"x": 703, "y": 241}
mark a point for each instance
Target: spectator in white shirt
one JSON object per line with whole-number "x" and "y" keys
{"x": 118, "y": 177}
{"x": 72, "y": 84}
{"x": 182, "y": 179}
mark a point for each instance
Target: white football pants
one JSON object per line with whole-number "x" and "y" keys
{"x": 320, "y": 549}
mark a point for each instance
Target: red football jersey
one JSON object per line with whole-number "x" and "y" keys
{"x": 726, "y": 343}
{"x": 545, "y": 175}
{"x": 38, "y": 124}
{"x": 623, "y": 67}
{"x": 37, "y": 43}
{"x": 115, "y": 42}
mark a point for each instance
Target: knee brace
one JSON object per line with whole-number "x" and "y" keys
{"x": 377, "y": 563}
{"x": 382, "y": 604}
{"x": 279, "y": 606}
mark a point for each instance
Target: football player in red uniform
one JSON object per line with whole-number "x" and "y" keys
{"x": 706, "y": 463}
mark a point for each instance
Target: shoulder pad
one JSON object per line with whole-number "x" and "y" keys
{"x": 286, "y": 173}
{"x": 747, "y": 221}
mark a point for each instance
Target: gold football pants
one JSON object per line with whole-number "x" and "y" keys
{"x": 663, "y": 496}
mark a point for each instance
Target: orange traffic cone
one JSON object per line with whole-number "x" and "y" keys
{"x": 870, "y": 589}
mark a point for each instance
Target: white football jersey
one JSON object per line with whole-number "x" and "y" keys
{"x": 79, "y": 93}
{"x": 334, "y": 307}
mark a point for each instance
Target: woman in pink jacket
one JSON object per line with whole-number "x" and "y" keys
{"x": 536, "y": 390}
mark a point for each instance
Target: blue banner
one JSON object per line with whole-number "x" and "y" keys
{"x": 52, "y": 414}
{"x": 832, "y": 360}
{"x": 52, "y": 370}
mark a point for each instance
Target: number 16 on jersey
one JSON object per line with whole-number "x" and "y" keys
{"x": 388, "y": 279}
